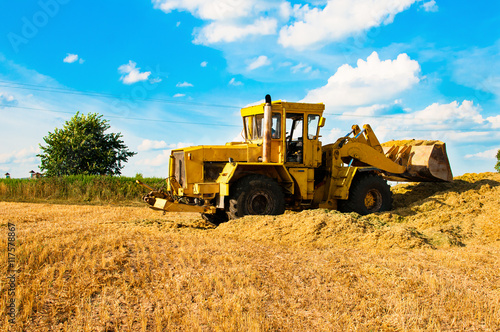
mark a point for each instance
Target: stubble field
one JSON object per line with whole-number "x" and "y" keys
{"x": 431, "y": 264}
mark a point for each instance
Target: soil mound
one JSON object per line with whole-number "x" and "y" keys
{"x": 427, "y": 215}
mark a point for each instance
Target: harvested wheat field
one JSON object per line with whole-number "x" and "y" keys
{"x": 431, "y": 264}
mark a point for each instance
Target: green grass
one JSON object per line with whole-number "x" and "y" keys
{"x": 77, "y": 189}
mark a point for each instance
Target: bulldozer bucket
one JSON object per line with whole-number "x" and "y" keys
{"x": 425, "y": 161}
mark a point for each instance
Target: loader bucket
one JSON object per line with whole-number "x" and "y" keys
{"x": 425, "y": 161}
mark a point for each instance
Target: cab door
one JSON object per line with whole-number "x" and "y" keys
{"x": 312, "y": 144}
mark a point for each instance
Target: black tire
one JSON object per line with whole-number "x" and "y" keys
{"x": 369, "y": 193}
{"x": 256, "y": 195}
{"x": 216, "y": 218}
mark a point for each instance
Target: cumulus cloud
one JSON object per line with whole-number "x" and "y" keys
{"x": 132, "y": 74}
{"x": 448, "y": 122}
{"x": 452, "y": 112}
{"x": 179, "y": 95}
{"x": 183, "y": 85}
{"x": 259, "y": 62}
{"x": 7, "y": 100}
{"x": 70, "y": 58}
{"x": 489, "y": 154}
{"x": 495, "y": 121}
{"x": 204, "y": 64}
{"x": 223, "y": 31}
{"x": 302, "y": 25}
{"x": 234, "y": 82}
{"x": 430, "y": 6}
{"x": 230, "y": 20}
{"x": 337, "y": 20}
{"x": 210, "y": 9}
{"x": 370, "y": 82}
{"x": 148, "y": 145}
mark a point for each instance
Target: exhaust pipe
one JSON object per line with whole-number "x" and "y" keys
{"x": 268, "y": 122}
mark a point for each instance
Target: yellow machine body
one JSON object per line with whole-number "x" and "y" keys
{"x": 286, "y": 148}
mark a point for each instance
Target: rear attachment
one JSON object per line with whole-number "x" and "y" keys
{"x": 166, "y": 201}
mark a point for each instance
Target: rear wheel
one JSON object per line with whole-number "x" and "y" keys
{"x": 256, "y": 195}
{"x": 369, "y": 193}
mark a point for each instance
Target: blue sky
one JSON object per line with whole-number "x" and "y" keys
{"x": 173, "y": 73}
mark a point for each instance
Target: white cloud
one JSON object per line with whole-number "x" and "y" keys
{"x": 430, "y": 6}
{"x": 70, "y": 58}
{"x": 210, "y": 9}
{"x": 372, "y": 81}
{"x": 132, "y": 74}
{"x": 230, "y": 20}
{"x": 148, "y": 145}
{"x": 7, "y": 100}
{"x": 446, "y": 122}
{"x": 332, "y": 20}
{"x": 204, "y": 64}
{"x": 222, "y": 31}
{"x": 183, "y": 85}
{"x": 234, "y": 82}
{"x": 495, "y": 121}
{"x": 178, "y": 24}
{"x": 452, "y": 112}
{"x": 338, "y": 20}
{"x": 489, "y": 154}
{"x": 178, "y": 95}
{"x": 259, "y": 62}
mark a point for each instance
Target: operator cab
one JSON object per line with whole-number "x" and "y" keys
{"x": 294, "y": 131}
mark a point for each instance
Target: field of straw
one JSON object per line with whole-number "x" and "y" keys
{"x": 432, "y": 264}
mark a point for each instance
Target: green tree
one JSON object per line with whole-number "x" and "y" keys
{"x": 83, "y": 147}
{"x": 497, "y": 166}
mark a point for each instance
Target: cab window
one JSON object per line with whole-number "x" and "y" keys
{"x": 254, "y": 126}
{"x": 312, "y": 126}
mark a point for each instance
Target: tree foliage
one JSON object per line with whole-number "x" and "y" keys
{"x": 497, "y": 166}
{"x": 83, "y": 147}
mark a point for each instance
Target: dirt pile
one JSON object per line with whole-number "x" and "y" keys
{"x": 323, "y": 228}
{"x": 465, "y": 211}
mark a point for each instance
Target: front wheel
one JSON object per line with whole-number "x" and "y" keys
{"x": 256, "y": 195}
{"x": 369, "y": 193}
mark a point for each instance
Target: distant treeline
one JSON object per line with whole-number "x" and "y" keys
{"x": 79, "y": 189}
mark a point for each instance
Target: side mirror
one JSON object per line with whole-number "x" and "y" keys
{"x": 321, "y": 123}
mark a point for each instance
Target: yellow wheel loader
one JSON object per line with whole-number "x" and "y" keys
{"x": 282, "y": 164}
